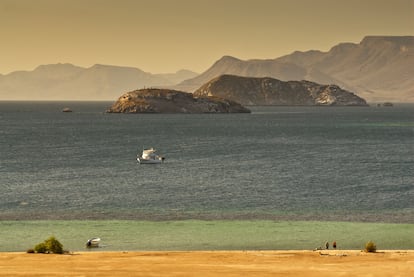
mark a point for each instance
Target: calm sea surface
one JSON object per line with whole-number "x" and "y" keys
{"x": 290, "y": 163}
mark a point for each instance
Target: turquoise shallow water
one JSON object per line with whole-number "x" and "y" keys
{"x": 204, "y": 235}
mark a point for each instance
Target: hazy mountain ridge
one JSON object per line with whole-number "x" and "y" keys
{"x": 70, "y": 82}
{"x": 177, "y": 77}
{"x": 379, "y": 68}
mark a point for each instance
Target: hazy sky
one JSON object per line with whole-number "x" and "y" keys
{"x": 161, "y": 36}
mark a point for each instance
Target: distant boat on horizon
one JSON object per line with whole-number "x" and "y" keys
{"x": 67, "y": 110}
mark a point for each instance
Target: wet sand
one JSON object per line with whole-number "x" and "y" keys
{"x": 211, "y": 263}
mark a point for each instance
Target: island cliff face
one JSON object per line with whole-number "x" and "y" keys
{"x": 172, "y": 101}
{"x": 269, "y": 91}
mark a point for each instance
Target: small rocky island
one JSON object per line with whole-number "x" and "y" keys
{"x": 153, "y": 100}
{"x": 270, "y": 91}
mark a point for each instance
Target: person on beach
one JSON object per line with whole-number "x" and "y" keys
{"x": 327, "y": 245}
{"x": 334, "y": 245}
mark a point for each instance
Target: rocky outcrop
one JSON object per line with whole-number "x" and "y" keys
{"x": 172, "y": 101}
{"x": 269, "y": 91}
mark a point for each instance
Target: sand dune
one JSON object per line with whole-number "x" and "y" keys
{"x": 211, "y": 263}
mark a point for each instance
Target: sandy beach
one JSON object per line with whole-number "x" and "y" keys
{"x": 211, "y": 263}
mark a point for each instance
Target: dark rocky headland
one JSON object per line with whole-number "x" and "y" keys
{"x": 154, "y": 100}
{"x": 270, "y": 91}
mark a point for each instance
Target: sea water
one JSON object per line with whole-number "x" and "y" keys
{"x": 277, "y": 163}
{"x": 135, "y": 235}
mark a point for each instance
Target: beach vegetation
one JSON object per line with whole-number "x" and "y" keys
{"x": 370, "y": 247}
{"x": 54, "y": 246}
{"x": 40, "y": 248}
{"x": 51, "y": 245}
{"x": 30, "y": 251}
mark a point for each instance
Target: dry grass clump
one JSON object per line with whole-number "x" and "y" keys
{"x": 370, "y": 247}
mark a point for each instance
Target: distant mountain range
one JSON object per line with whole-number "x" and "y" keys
{"x": 70, "y": 82}
{"x": 378, "y": 69}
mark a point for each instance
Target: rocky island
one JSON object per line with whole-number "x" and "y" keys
{"x": 270, "y": 91}
{"x": 152, "y": 100}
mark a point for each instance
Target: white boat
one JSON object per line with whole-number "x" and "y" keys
{"x": 93, "y": 242}
{"x": 149, "y": 156}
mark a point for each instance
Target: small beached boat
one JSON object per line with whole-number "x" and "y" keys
{"x": 149, "y": 156}
{"x": 93, "y": 242}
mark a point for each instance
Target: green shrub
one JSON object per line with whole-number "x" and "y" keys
{"x": 30, "y": 251}
{"x": 370, "y": 247}
{"x": 51, "y": 245}
{"x": 54, "y": 246}
{"x": 40, "y": 248}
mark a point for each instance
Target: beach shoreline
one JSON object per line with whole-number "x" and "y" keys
{"x": 211, "y": 263}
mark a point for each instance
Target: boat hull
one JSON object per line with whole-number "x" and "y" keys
{"x": 149, "y": 157}
{"x": 92, "y": 243}
{"x": 149, "y": 161}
